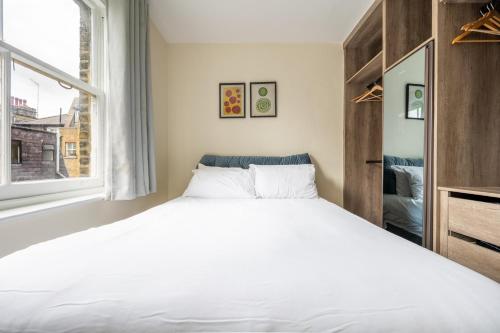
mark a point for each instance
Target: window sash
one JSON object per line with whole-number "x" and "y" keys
{"x": 70, "y": 148}
{"x": 26, "y": 60}
{"x": 9, "y": 53}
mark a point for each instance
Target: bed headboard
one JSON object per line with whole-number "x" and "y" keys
{"x": 245, "y": 161}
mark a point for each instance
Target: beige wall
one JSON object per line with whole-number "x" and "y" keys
{"x": 310, "y": 107}
{"x": 22, "y": 231}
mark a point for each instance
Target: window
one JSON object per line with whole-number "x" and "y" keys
{"x": 70, "y": 149}
{"x": 48, "y": 153}
{"x": 15, "y": 152}
{"x": 51, "y": 87}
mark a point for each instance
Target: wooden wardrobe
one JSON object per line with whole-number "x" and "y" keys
{"x": 465, "y": 132}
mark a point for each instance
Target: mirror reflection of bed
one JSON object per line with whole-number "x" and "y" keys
{"x": 404, "y": 142}
{"x": 403, "y": 213}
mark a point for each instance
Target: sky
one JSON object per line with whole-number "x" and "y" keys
{"x": 48, "y": 30}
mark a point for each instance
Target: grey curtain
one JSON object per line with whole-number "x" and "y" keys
{"x": 130, "y": 169}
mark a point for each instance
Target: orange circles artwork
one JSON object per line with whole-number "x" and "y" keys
{"x": 232, "y": 100}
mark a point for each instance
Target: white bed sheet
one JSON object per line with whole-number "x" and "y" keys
{"x": 404, "y": 212}
{"x": 241, "y": 265}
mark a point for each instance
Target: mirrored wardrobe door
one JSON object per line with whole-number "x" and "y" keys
{"x": 405, "y": 150}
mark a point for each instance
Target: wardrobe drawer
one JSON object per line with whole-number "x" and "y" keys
{"x": 478, "y": 258}
{"x": 476, "y": 219}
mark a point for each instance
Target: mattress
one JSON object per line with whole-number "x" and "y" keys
{"x": 194, "y": 265}
{"x": 404, "y": 212}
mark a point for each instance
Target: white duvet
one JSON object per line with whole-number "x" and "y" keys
{"x": 241, "y": 265}
{"x": 404, "y": 212}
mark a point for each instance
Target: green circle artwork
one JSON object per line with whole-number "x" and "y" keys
{"x": 263, "y": 91}
{"x": 418, "y": 93}
{"x": 417, "y": 105}
{"x": 263, "y": 105}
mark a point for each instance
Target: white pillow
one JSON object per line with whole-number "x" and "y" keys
{"x": 402, "y": 182}
{"x": 415, "y": 176}
{"x": 221, "y": 183}
{"x": 284, "y": 181}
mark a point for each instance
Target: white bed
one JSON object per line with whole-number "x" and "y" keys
{"x": 404, "y": 212}
{"x": 241, "y": 265}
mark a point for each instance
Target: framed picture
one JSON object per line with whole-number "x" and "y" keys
{"x": 232, "y": 100}
{"x": 415, "y": 101}
{"x": 263, "y": 99}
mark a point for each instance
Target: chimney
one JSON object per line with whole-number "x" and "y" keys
{"x": 24, "y": 102}
{"x": 17, "y": 101}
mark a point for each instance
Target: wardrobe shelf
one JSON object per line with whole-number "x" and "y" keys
{"x": 369, "y": 72}
{"x": 365, "y": 41}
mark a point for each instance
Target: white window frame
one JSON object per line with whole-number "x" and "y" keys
{"x": 67, "y": 151}
{"x": 12, "y": 195}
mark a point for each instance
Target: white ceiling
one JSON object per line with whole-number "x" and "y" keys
{"x": 256, "y": 21}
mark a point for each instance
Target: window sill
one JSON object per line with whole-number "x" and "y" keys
{"x": 24, "y": 206}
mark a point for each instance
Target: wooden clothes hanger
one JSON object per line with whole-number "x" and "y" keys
{"x": 374, "y": 94}
{"x": 488, "y": 24}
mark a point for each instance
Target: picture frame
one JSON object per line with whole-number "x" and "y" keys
{"x": 232, "y": 100}
{"x": 415, "y": 101}
{"x": 263, "y": 99}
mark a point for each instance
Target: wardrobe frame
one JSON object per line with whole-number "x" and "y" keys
{"x": 465, "y": 114}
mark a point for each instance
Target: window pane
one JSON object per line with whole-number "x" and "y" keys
{"x": 15, "y": 152}
{"x": 70, "y": 150}
{"x": 45, "y": 115}
{"x": 56, "y": 31}
{"x": 48, "y": 153}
